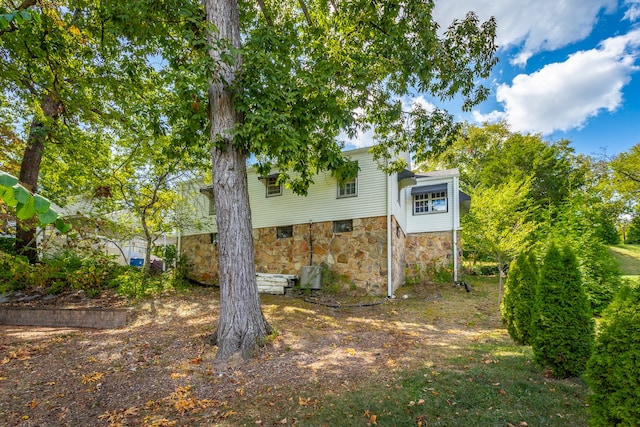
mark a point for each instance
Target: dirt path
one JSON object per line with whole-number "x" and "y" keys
{"x": 159, "y": 371}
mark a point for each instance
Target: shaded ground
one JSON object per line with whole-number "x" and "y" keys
{"x": 158, "y": 371}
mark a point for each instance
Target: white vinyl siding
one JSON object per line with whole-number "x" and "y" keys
{"x": 197, "y": 207}
{"x": 321, "y": 203}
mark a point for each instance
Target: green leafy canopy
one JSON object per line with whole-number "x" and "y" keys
{"x": 344, "y": 68}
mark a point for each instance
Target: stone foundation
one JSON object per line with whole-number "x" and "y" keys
{"x": 359, "y": 256}
{"x": 399, "y": 254}
{"x": 431, "y": 250}
{"x": 202, "y": 258}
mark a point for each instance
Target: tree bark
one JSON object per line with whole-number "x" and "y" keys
{"x": 242, "y": 325}
{"x": 26, "y": 243}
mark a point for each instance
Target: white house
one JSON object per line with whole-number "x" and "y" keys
{"x": 371, "y": 230}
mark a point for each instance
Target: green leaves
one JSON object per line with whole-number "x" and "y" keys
{"x": 28, "y": 205}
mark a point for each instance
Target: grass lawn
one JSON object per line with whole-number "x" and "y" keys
{"x": 628, "y": 256}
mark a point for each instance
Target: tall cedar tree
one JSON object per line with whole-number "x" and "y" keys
{"x": 562, "y": 327}
{"x": 613, "y": 371}
{"x": 519, "y": 296}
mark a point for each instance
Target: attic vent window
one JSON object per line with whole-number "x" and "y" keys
{"x": 284, "y": 232}
{"x": 343, "y": 226}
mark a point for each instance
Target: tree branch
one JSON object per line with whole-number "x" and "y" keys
{"x": 265, "y": 13}
{"x": 306, "y": 12}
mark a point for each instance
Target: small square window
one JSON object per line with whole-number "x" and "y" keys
{"x": 273, "y": 188}
{"x": 348, "y": 189}
{"x": 344, "y": 226}
{"x": 212, "y": 206}
{"x": 284, "y": 232}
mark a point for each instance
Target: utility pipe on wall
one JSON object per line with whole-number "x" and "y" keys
{"x": 455, "y": 216}
{"x": 310, "y": 242}
{"x": 389, "y": 248}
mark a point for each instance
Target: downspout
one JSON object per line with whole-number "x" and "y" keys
{"x": 389, "y": 248}
{"x": 179, "y": 248}
{"x": 456, "y": 213}
{"x": 310, "y": 242}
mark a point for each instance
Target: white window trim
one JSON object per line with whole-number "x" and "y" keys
{"x": 429, "y": 201}
{"x": 347, "y": 195}
{"x": 271, "y": 182}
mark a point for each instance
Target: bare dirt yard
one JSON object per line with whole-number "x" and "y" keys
{"x": 159, "y": 370}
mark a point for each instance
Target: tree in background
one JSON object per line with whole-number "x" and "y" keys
{"x": 562, "y": 326}
{"x": 613, "y": 369}
{"x": 626, "y": 172}
{"x": 633, "y": 231}
{"x": 83, "y": 77}
{"x": 68, "y": 71}
{"x": 499, "y": 224}
{"x": 519, "y": 297}
{"x": 491, "y": 155}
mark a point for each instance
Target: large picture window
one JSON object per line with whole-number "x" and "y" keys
{"x": 429, "y": 199}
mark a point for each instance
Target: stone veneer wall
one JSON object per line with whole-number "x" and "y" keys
{"x": 431, "y": 250}
{"x": 360, "y": 255}
{"x": 399, "y": 249}
{"x": 202, "y": 257}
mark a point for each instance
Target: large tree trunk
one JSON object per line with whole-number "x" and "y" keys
{"x": 241, "y": 326}
{"x": 26, "y": 243}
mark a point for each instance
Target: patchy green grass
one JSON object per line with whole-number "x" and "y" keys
{"x": 628, "y": 256}
{"x": 493, "y": 385}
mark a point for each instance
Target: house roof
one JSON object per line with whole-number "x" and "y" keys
{"x": 439, "y": 173}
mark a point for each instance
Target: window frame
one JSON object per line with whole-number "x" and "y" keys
{"x": 342, "y": 189}
{"x": 429, "y": 203}
{"x": 284, "y": 232}
{"x": 340, "y": 225}
{"x": 271, "y": 184}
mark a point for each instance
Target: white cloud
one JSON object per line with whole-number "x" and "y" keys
{"x": 492, "y": 117}
{"x": 633, "y": 11}
{"x": 409, "y": 103}
{"x": 563, "y": 95}
{"x": 542, "y": 25}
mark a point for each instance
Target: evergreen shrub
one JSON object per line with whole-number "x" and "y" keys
{"x": 519, "y": 296}
{"x": 562, "y": 327}
{"x": 601, "y": 275}
{"x": 613, "y": 371}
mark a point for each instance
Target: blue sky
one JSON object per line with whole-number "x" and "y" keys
{"x": 568, "y": 70}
